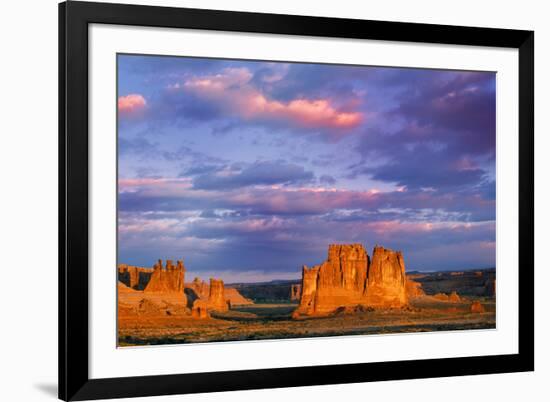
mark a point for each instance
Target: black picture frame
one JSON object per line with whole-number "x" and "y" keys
{"x": 74, "y": 18}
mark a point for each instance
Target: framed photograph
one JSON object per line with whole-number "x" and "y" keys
{"x": 259, "y": 201}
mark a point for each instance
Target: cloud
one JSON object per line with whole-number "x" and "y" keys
{"x": 179, "y": 195}
{"x": 327, "y": 179}
{"x": 257, "y": 173}
{"x": 137, "y": 146}
{"x": 400, "y": 157}
{"x": 461, "y": 111}
{"x": 445, "y": 138}
{"x": 283, "y": 244}
{"x": 232, "y": 91}
{"x": 131, "y": 103}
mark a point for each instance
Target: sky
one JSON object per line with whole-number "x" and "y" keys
{"x": 248, "y": 170}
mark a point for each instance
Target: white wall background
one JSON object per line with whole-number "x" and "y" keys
{"x": 28, "y": 199}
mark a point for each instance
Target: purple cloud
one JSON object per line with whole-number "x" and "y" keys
{"x": 257, "y": 166}
{"x": 257, "y": 173}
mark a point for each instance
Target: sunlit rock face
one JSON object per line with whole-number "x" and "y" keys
{"x": 477, "y": 307}
{"x": 216, "y": 298}
{"x": 341, "y": 279}
{"x": 386, "y": 279}
{"x": 200, "y": 309}
{"x": 200, "y": 288}
{"x": 165, "y": 292}
{"x": 414, "y": 289}
{"x": 234, "y": 298}
{"x": 309, "y": 290}
{"x": 347, "y": 278}
{"x": 454, "y": 297}
{"x": 169, "y": 280}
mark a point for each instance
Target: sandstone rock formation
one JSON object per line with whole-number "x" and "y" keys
{"x": 309, "y": 289}
{"x": 477, "y": 307}
{"x": 347, "y": 279}
{"x": 122, "y": 288}
{"x": 454, "y": 297}
{"x": 200, "y": 287}
{"x": 169, "y": 280}
{"x": 386, "y": 279}
{"x": 200, "y": 309}
{"x": 441, "y": 296}
{"x": 414, "y": 289}
{"x": 295, "y": 292}
{"x": 216, "y": 297}
{"x": 234, "y": 298}
{"x": 167, "y": 294}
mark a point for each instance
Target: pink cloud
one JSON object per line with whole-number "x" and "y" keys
{"x": 291, "y": 201}
{"x": 232, "y": 90}
{"x": 465, "y": 163}
{"x": 131, "y": 103}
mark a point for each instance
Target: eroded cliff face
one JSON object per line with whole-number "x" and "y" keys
{"x": 347, "y": 278}
{"x": 216, "y": 298}
{"x": 200, "y": 287}
{"x": 165, "y": 293}
{"x": 169, "y": 280}
{"x": 200, "y": 309}
{"x": 309, "y": 290}
{"x": 414, "y": 289}
{"x": 386, "y": 279}
{"x": 341, "y": 278}
{"x": 234, "y": 298}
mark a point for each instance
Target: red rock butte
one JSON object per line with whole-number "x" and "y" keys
{"x": 169, "y": 280}
{"x": 349, "y": 278}
{"x": 166, "y": 293}
{"x": 216, "y": 298}
{"x": 414, "y": 289}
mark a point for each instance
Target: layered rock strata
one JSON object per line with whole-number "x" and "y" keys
{"x": 386, "y": 279}
{"x": 348, "y": 278}
{"x": 216, "y": 297}
{"x": 169, "y": 280}
{"x": 200, "y": 309}
{"x": 414, "y": 289}
{"x": 199, "y": 289}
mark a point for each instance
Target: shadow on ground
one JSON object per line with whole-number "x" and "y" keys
{"x": 48, "y": 389}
